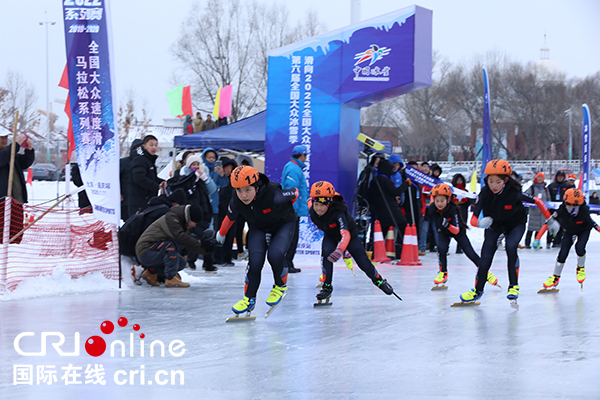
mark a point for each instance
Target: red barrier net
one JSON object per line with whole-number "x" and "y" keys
{"x": 63, "y": 237}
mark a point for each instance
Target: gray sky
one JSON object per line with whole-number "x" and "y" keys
{"x": 143, "y": 32}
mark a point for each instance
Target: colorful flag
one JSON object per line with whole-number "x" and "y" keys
{"x": 30, "y": 176}
{"x": 217, "y": 104}
{"x": 186, "y": 102}
{"x": 64, "y": 83}
{"x": 487, "y": 129}
{"x": 473, "y": 184}
{"x": 225, "y": 102}
{"x": 586, "y": 144}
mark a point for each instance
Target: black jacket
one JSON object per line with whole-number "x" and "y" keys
{"x": 574, "y": 225}
{"x": 271, "y": 208}
{"x": 334, "y": 220}
{"x": 197, "y": 193}
{"x": 506, "y": 207}
{"x": 557, "y": 190}
{"x": 144, "y": 182}
{"x": 125, "y": 177}
{"x": 22, "y": 162}
{"x": 451, "y": 214}
{"x": 387, "y": 195}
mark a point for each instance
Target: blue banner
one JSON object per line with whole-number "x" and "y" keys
{"x": 586, "y": 144}
{"x": 487, "y": 128}
{"x": 92, "y": 105}
{"x": 423, "y": 179}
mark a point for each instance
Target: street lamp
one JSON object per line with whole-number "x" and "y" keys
{"x": 46, "y": 22}
{"x": 569, "y": 112}
{"x": 443, "y": 121}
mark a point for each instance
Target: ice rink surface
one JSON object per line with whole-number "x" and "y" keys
{"x": 365, "y": 346}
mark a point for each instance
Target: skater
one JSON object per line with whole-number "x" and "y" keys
{"x": 271, "y": 218}
{"x": 501, "y": 201}
{"x": 450, "y": 224}
{"x": 575, "y": 220}
{"x": 328, "y": 211}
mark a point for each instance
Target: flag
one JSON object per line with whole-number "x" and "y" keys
{"x": 180, "y": 101}
{"x": 217, "y": 104}
{"x": 473, "y": 184}
{"x": 30, "y": 176}
{"x": 64, "y": 83}
{"x": 487, "y": 129}
{"x": 225, "y": 102}
{"x": 586, "y": 144}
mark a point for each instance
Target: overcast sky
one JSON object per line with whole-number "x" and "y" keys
{"x": 144, "y": 31}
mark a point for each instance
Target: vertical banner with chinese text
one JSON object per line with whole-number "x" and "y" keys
{"x": 586, "y": 149}
{"x": 487, "y": 127}
{"x": 91, "y": 94}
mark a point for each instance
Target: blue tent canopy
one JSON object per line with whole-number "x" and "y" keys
{"x": 247, "y": 134}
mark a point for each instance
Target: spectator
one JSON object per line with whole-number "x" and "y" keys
{"x": 557, "y": 190}
{"x": 594, "y": 199}
{"x": 144, "y": 182}
{"x": 385, "y": 198}
{"x": 125, "y": 177}
{"x": 224, "y": 254}
{"x": 159, "y": 247}
{"x": 179, "y": 164}
{"x": 19, "y": 190}
{"x": 188, "y": 125}
{"x": 536, "y": 218}
{"x": 215, "y": 167}
{"x": 411, "y": 202}
{"x": 426, "y": 222}
{"x": 208, "y": 124}
{"x": 459, "y": 182}
{"x": 293, "y": 177}
{"x": 396, "y": 161}
{"x": 198, "y": 122}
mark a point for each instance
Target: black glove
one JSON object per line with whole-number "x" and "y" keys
{"x": 445, "y": 223}
{"x": 208, "y": 240}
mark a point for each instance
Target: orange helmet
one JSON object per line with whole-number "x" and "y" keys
{"x": 441, "y": 189}
{"x": 322, "y": 189}
{"x": 574, "y": 197}
{"x": 243, "y": 176}
{"x": 498, "y": 167}
{"x": 572, "y": 176}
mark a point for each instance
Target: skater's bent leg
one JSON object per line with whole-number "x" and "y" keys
{"x": 362, "y": 260}
{"x": 467, "y": 248}
{"x": 513, "y": 237}
{"x": 565, "y": 246}
{"x": 257, "y": 250}
{"x": 280, "y": 244}
{"x": 327, "y": 247}
{"x": 582, "y": 240}
{"x": 490, "y": 245}
{"x": 443, "y": 244}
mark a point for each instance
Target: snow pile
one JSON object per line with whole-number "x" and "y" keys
{"x": 60, "y": 283}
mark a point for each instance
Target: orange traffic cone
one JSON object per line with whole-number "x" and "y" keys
{"x": 410, "y": 252}
{"x": 390, "y": 246}
{"x": 378, "y": 245}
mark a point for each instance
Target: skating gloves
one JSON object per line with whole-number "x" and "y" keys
{"x": 485, "y": 222}
{"x": 597, "y": 227}
{"x": 220, "y": 238}
{"x": 333, "y": 257}
{"x": 445, "y": 223}
{"x": 553, "y": 226}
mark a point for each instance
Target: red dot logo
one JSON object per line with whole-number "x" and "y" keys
{"x": 95, "y": 346}
{"x": 122, "y": 322}
{"x": 136, "y": 327}
{"x": 107, "y": 327}
{"x": 142, "y": 335}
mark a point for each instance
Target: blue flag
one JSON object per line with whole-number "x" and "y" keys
{"x": 586, "y": 144}
{"x": 487, "y": 129}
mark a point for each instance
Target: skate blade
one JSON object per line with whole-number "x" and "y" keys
{"x": 514, "y": 304}
{"x": 319, "y": 285}
{"x": 554, "y": 290}
{"x": 498, "y": 286}
{"x": 138, "y": 282}
{"x": 352, "y": 269}
{"x": 439, "y": 287}
{"x": 210, "y": 272}
{"x": 275, "y": 306}
{"x": 321, "y": 303}
{"x": 462, "y": 303}
{"x": 237, "y": 318}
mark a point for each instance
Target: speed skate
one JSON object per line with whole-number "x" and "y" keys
{"x": 239, "y": 318}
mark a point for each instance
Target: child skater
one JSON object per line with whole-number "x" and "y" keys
{"x": 329, "y": 213}
{"x": 501, "y": 202}
{"x": 574, "y": 218}
{"x": 446, "y": 217}
{"x": 268, "y": 210}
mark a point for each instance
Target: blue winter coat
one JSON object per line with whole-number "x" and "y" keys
{"x": 218, "y": 180}
{"x": 293, "y": 177}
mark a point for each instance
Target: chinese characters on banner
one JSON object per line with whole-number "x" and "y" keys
{"x": 91, "y": 93}
{"x": 301, "y": 122}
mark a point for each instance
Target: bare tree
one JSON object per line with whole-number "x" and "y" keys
{"x": 17, "y": 94}
{"x": 227, "y": 42}
{"x": 133, "y": 120}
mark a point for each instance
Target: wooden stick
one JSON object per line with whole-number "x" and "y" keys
{"x": 11, "y": 168}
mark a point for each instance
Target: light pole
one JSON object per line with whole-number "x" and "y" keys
{"x": 443, "y": 121}
{"x": 46, "y": 22}
{"x": 569, "y": 112}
